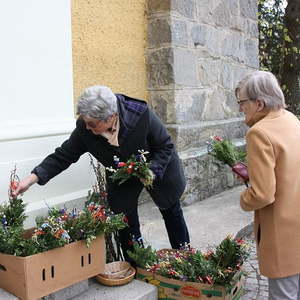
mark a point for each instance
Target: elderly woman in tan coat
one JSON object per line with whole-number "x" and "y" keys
{"x": 273, "y": 155}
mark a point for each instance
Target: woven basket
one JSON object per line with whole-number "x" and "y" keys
{"x": 116, "y": 273}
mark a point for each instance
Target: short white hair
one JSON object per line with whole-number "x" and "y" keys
{"x": 97, "y": 102}
{"x": 264, "y": 86}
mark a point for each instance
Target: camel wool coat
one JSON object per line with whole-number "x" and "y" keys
{"x": 273, "y": 155}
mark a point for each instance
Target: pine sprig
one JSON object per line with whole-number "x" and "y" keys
{"x": 13, "y": 242}
{"x": 229, "y": 253}
{"x": 225, "y": 151}
{"x": 142, "y": 256}
{"x": 13, "y": 212}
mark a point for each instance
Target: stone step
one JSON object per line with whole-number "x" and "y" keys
{"x": 206, "y": 176}
{"x": 92, "y": 290}
{"x": 135, "y": 290}
{"x": 196, "y": 134}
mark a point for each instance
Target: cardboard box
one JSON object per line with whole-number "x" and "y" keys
{"x": 35, "y": 276}
{"x": 172, "y": 289}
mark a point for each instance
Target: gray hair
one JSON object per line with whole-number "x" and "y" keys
{"x": 97, "y": 102}
{"x": 264, "y": 86}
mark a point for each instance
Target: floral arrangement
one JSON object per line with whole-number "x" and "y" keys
{"x": 226, "y": 152}
{"x": 59, "y": 228}
{"x": 215, "y": 267}
{"x": 136, "y": 166}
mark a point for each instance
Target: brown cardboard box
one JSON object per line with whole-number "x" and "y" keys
{"x": 35, "y": 276}
{"x": 172, "y": 289}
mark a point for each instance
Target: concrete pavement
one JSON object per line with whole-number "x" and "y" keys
{"x": 209, "y": 221}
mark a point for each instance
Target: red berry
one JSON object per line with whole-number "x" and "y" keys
{"x": 14, "y": 185}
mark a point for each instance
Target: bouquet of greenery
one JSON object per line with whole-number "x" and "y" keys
{"x": 226, "y": 152}
{"x": 59, "y": 228}
{"x": 136, "y": 166}
{"x": 216, "y": 267}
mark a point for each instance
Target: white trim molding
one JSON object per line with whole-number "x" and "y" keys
{"x": 23, "y": 131}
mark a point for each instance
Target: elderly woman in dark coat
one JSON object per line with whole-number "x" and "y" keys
{"x": 112, "y": 124}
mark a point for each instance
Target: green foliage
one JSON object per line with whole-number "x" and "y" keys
{"x": 142, "y": 256}
{"x": 59, "y": 228}
{"x": 225, "y": 151}
{"x": 13, "y": 212}
{"x": 47, "y": 239}
{"x": 290, "y": 67}
{"x": 271, "y": 34}
{"x": 12, "y": 242}
{"x": 214, "y": 267}
{"x": 229, "y": 253}
{"x": 203, "y": 267}
{"x": 12, "y": 217}
{"x": 279, "y": 46}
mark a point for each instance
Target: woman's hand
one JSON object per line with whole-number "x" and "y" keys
{"x": 148, "y": 179}
{"x": 242, "y": 180}
{"x": 24, "y": 185}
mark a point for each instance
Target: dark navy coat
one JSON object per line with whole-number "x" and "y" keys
{"x": 140, "y": 129}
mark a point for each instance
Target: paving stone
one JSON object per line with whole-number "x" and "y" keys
{"x": 256, "y": 285}
{"x": 261, "y": 297}
{"x": 250, "y": 280}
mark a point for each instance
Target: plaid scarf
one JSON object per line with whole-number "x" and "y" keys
{"x": 130, "y": 111}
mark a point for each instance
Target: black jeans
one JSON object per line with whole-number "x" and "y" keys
{"x": 174, "y": 221}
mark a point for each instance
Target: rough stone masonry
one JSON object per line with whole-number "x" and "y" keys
{"x": 197, "y": 52}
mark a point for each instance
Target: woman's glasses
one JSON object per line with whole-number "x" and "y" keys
{"x": 92, "y": 124}
{"x": 240, "y": 101}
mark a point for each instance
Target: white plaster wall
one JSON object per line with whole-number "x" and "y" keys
{"x": 36, "y": 97}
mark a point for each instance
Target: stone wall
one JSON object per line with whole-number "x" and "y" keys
{"x": 198, "y": 51}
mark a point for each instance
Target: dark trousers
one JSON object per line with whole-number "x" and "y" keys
{"x": 174, "y": 221}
